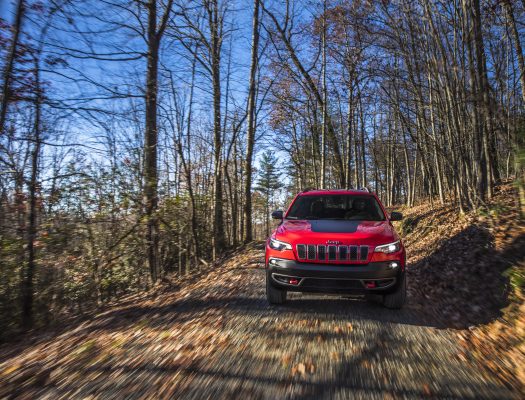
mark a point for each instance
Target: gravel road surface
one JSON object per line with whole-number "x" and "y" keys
{"x": 217, "y": 338}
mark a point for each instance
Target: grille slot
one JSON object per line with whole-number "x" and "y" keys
{"x": 301, "y": 251}
{"x": 353, "y": 253}
{"x": 332, "y": 253}
{"x": 343, "y": 252}
{"x": 363, "y": 253}
{"x": 311, "y": 252}
{"x": 321, "y": 252}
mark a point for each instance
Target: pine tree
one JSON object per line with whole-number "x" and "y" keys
{"x": 268, "y": 181}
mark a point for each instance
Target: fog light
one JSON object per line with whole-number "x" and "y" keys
{"x": 273, "y": 261}
{"x": 394, "y": 265}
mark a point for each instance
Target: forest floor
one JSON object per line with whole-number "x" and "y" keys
{"x": 216, "y": 337}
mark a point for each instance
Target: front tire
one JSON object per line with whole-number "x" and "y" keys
{"x": 396, "y": 300}
{"x": 274, "y": 295}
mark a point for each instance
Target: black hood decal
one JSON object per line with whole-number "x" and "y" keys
{"x": 333, "y": 226}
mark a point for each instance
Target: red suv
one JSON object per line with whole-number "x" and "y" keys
{"x": 336, "y": 241}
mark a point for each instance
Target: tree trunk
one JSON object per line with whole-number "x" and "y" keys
{"x": 186, "y": 166}
{"x": 235, "y": 199}
{"x": 520, "y": 172}
{"x": 363, "y": 142}
{"x": 349, "y": 132}
{"x": 8, "y": 71}
{"x": 150, "y": 144}
{"x": 323, "y": 106}
{"x": 219, "y": 237}
{"x": 434, "y": 145}
{"x": 151, "y": 136}
{"x": 484, "y": 88}
{"x": 480, "y": 161}
{"x": 27, "y": 306}
{"x": 250, "y": 137}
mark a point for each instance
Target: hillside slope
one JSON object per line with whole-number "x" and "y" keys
{"x": 467, "y": 271}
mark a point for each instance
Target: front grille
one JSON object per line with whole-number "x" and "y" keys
{"x": 325, "y": 253}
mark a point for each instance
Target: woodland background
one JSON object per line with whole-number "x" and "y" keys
{"x": 140, "y": 139}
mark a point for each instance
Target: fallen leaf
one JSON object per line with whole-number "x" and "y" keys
{"x": 299, "y": 369}
{"x": 426, "y": 390}
{"x": 10, "y": 369}
{"x": 286, "y": 359}
{"x": 310, "y": 368}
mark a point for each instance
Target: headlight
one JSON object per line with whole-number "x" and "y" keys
{"x": 389, "y": 248}
{"x": 278, "y": 245}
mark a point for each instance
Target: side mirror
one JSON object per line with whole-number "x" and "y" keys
{"x": 396, "y": 216}
{"x": 277, "y": 214}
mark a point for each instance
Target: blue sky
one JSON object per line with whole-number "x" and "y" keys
{"x": 126, "y": 76}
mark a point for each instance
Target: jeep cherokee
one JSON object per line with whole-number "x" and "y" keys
{"x": 336, "y": 241}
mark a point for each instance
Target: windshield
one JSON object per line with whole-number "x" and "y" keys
{"x": 337, "y": 207}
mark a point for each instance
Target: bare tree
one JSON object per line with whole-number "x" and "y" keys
{"x": 10, "y": 62}
{"x": 252, "y": 123}
{"x": 154, "y": 37}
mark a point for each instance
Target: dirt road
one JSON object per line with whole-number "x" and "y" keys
{"x": 217, "y": 338}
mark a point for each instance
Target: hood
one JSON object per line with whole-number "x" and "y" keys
{"x": 372, "y": 233}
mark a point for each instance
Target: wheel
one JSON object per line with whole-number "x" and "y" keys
{"x": 396, "y": 300}
{"x": 274, "y": 295}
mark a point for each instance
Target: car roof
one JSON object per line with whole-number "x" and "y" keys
{"x": 320, "y": 192}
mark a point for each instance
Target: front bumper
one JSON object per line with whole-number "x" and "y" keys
{"x": 374, "y": 277}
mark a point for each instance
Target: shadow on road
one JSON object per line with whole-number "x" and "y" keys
{"x": 462, "y": 283}
{"x": 459, "y": 285}
{"x": 304, "y": 306}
